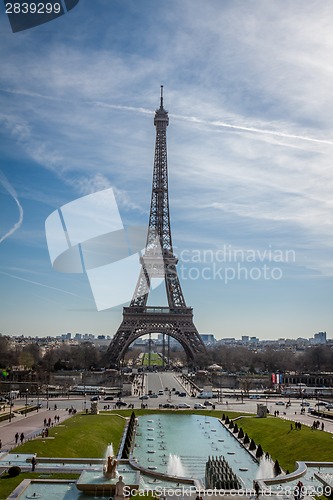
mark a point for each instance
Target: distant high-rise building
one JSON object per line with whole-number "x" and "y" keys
{"x": 319, "y": 338}
{"x": 208, "y": 338}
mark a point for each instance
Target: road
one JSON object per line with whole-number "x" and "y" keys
{"x": 168, "y": 382}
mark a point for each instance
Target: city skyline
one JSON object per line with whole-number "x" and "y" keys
{"x": 247, "y": 88}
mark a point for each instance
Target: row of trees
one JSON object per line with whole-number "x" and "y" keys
{"x": 64, "y": 357}
{"x": 232, "y": 358}
{"x": 240, "y": 358}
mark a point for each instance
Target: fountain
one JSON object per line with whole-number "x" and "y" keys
{"x": 265, "y": 469}
{"x": 105, "y": 481}
{"x": 175, "y": 466}
{"x": 110, "y": 466}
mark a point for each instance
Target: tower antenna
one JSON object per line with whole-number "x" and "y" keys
{"x": 161, "y": 96}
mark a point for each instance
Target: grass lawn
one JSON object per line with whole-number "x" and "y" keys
{"x": 287, "y": 446}
{"x": 155, "y": 359}
{"x": 8, "y": 484}
{"x": 83, "y": 435}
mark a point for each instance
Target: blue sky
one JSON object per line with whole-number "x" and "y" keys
{"x": 248, "y": 86}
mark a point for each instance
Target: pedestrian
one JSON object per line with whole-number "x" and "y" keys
{"x": 16, "y": 437}
{"x": 22, "y": 437}
{"x": 300, "y": 490}
{"x": 0, "y": 444}
{"x": 33, "y": 463}
{"x": 322, "y": 427}
{"x": 256, "y": 488}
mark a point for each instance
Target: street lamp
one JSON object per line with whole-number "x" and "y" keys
{"x": 26, "y": 402}
{"x": 47, "y": 396}
{"x": 142, "y": 388}
{"x": 10, "y": 404}
{"x": 38, "y": 398}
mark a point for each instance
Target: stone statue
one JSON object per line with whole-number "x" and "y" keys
{"x": 119, "y": 493}
{"x": 110, "y": 469}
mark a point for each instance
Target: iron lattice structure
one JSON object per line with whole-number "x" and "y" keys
{"x": 158, "y": 261}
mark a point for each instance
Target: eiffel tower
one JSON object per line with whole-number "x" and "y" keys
{"x": 158, "y": 261}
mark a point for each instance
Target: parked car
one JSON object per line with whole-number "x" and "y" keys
{"x": 305, "y": 403}
{"x": 145, "y": 396}
{"x": 182, "y": 394}
{"x": 280, "y": 403}
{"x": 153, "y": 395}
{"x": 108, "y": 398}
{"x": 199, "y": 406}
{"x": 121, "y": 403}
{"x": 208, "y": 403}
{"x": 184, "y": 405}
{"x": 329, "y": 406}
{"x": 94, "y": 398}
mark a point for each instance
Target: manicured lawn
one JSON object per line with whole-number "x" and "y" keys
{"x": 287, "y": 446}
{"x": 8, "y": 484}
{"x": 155, "y": 359}
{"x": 80, "y": 436}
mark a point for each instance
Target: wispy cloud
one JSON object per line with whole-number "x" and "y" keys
{"x": 10, "y": 189}
{"x": 248, "y": 87}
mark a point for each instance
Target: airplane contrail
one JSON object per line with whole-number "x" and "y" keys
{"x": 218, "y": 123}
{"x": 12, "y": 192}
{"x": 192, "y": 119}
{"x": 39, "y": 284}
